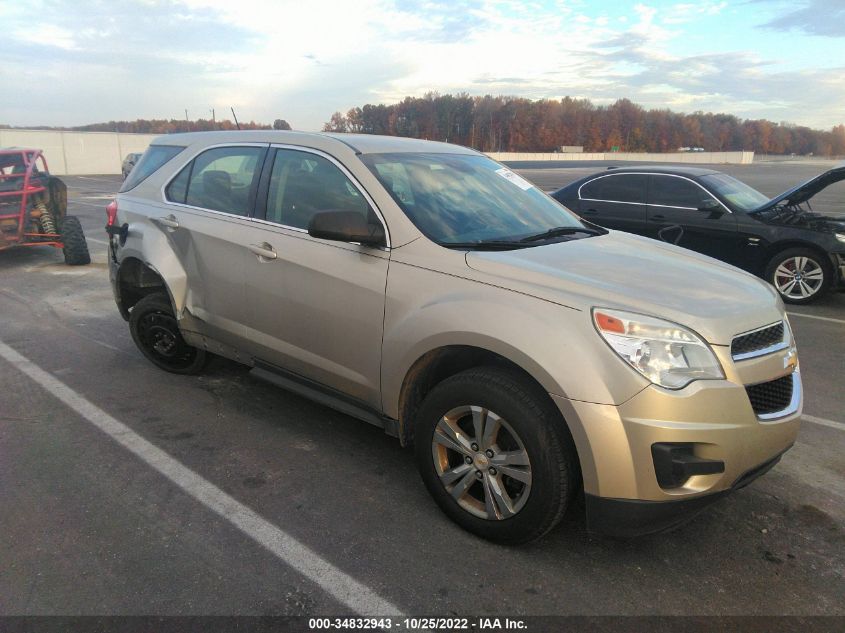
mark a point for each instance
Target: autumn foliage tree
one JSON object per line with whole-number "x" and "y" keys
{"x": 514, "y": 124}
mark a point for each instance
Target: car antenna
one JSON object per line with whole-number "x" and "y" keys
{"x": 236, "y": 118}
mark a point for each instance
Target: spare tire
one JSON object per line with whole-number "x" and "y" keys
{"x": 75, "y": 247}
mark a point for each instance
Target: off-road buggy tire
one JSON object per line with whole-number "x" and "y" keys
{"x": 75, "y": 247}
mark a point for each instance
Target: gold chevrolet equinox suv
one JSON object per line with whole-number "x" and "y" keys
{"x": 528, "y": 355}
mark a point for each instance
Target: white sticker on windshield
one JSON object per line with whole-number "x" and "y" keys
{"x": 519, "y": 181}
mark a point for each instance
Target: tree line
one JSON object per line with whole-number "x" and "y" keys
{"x": 514, "y": 124}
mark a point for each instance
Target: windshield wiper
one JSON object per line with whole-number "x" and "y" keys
{"x": 489, "y": 245}
{"x": 559, "y": 231}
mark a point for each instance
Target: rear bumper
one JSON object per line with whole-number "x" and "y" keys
{"x": 628, "y": 518}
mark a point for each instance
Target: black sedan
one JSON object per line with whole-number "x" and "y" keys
{"x": 780, "y": 239}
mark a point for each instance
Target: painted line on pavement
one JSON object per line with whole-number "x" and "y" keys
{"x": 108, "y": 180}
{"x": 342, "y": 587}
{"x": 818, "y": 318}
{"x": 71, "y": 201}
{"x": 824, "y": 422}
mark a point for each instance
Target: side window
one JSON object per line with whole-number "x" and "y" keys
{"x": 671, "y": 191}
{"x": 593, "y": 189}
{"x": 219, "y": 179}
{"x": 149, "y": 163}
{"x": 304, "y": 184}
{"x": 616, "y": 188}
{"x": 177, "y": 190}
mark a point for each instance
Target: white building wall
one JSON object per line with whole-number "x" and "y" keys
{"x": 86, "y": 153}
{"x": 79, "y": 153}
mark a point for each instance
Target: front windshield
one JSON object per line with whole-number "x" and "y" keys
{"x": 738, "y": 194}
{"x": 461, "y": 198}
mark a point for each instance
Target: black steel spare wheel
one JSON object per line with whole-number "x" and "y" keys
{"x": 156, "y": 333}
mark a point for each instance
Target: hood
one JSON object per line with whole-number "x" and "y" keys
{"x": 624, "y": 271}
{"x": 807, "y": 190}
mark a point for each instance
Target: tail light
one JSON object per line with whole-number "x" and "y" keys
{"x": 111, "y": 213}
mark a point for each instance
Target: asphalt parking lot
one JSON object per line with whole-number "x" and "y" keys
{"x": 90, "y": 527}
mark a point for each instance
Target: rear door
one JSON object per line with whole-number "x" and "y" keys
{"x": 706, "y": 225}
{"x": 315, "y": 307}
{"x": 615, "y": 201}
{"x": 207, "y": 223}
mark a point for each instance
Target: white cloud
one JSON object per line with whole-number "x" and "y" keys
{"x": 302, "y": 61}
{"x": 48, "y": 35}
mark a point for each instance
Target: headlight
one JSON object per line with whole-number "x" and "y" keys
{"x": 840, "y": 236}
{"x": 665, "y": 353}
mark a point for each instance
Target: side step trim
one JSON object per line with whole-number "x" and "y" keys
{"x": 324, "y": 395}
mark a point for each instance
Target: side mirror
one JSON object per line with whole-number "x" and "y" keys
{"x": 346, "y": 226}
{"x": 710, "y": 204}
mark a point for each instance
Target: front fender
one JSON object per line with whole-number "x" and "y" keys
{"x": 557, "y": 346}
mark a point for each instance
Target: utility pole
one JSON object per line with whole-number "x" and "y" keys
{"x": 186, "y": 114}
{"x": 213, "y": 120}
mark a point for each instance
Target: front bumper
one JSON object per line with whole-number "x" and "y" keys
{"x": 627, "y": 518}
{"x": 712, "y": 419}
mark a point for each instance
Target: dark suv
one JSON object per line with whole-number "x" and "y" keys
{"x": 780, "y": 239}
{"x": 129, "y": 163}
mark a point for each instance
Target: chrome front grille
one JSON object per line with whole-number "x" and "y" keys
{"x": 764, "y": 340}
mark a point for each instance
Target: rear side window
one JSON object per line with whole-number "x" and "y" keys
{"x": 671, "y": 191}
{"x": 151, "y": 161}
{"x": 219, "y": 179}
{"x": 616, "y": 188}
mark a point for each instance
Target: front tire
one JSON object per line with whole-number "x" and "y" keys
{"x": 800, "y": 275}
{"x": 75, "y": 248}
{"x": 495, "y": 455}
{"x": 156, "y": 333}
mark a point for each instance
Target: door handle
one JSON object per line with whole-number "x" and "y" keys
{"x": 590, "y": 212}
{"x": 170, "y": 222}
{"x": 264, "y": 250}
{"x": 657, "y": 218}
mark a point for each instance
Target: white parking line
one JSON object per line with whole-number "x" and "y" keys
{"x": 813, "y": 316}
{"x": 345, "y": 589}
{"x": 824, "y": 422}
{"x": 111, "y": 182}
{"x": 96, "y": 241}
{"x": 87, "y": 204}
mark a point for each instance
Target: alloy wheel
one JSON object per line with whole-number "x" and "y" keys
{"x": 799, "y": 277}
{"x": 481, "y": 462}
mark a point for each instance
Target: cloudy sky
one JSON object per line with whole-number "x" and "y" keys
{"x": 83, "y": 61}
